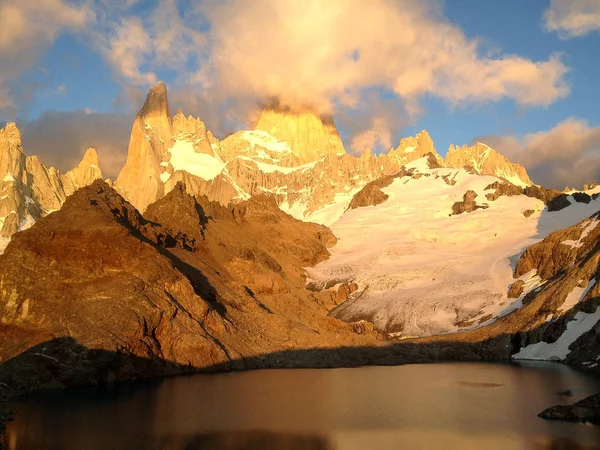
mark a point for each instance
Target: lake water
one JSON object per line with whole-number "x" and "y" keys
{"x": 445, "y": 406}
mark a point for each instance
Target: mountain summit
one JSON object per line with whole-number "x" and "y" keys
{"x": 486, "y": 161}
{"x": 308, "y": 135}
{"x": 29, "y": 189}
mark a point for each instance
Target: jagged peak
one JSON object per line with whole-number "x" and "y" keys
{"x": 90, "y": 157}
{"x": 11, "y": 133}
{"x": 486, "y": 161}
{"x": 157, "y": 102}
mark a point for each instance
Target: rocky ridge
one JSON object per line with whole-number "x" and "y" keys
{"x": 486, "y": 161}
{"x": 296, "y": 156}
{"x": 29, "y": 189}
{"x": 103, "y": 293}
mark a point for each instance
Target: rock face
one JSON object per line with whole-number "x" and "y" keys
{"x": 198, "y": 286}
{"x": 413, "y": 148}
{"x": 586, "y": 410}
{"x": 295, "y": 155}
{"x": 567, "y": 263}
{"x": 30, "y": 190}
{"x": 151, "y": 137}
{"x": 486, "y": 161}
{"x": 468, "y": 204}
{"x": 309, "y": 136}
{"x": 86, "y": 172}
{"x": 560, "y": 249}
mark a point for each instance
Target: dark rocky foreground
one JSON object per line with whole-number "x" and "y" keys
{"x": 586, "y": 410}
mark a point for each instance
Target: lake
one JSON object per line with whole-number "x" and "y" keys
{"x": 449, "y": 406}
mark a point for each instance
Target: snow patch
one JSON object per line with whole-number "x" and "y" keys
{"x": 587, "y": 228}
{"x": 183, "y": 157}
{"x": 576, "y": 296}
{"x": 265, "y": 140}
{"x": 559, "y": 350}
{"x": 269, "y": 168}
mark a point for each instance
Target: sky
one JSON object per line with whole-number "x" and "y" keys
{"x": 520, "y": 76}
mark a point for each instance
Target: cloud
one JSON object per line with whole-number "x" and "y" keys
{"x": 135, "y": 45}
{"x": 377, "y": 135}
{"x": 374, "y": 123}
{"x": 61, "y": 138}
{"x": 322, "y": 53}
{"x": 568, "y": 154}
{"x": 572, "y": 18}
{"x": 27, "y": 27}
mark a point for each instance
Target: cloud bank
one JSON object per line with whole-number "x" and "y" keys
{"x": 573, "y": 18}
{"x": 322, "y": 53}
{"x": 567, "y": 154}
{"x": 27, "y": 27}
{"x": 61, "y": 138}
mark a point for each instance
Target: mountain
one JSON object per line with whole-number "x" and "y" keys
{"x": 192, "y": 285}
{"x": 421, "y": 268}
{"x": 30, "y": 190}
{"x": 412, "y": 148}
{"x": 485, "y": 160}
{"x": 298, "y": 157}
{"x": 212, "y": 255}
{"x": 309, "y": 136}
{"x": 151, "y": 137}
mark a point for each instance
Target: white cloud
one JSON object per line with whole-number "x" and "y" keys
{"x": 322, "y": 53}
{"x": 26, "y": 28}
{"x": 573, "y": 18}
{"x": 567, "y": 154}
{"x": 136, "y": 46}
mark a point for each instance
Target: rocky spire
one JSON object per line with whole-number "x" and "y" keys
{"x": 151, "y": 137}
{"x": 194, "y": 131}
{"x": 86, "y": 172}
{"x": 414, "y": 147}
{"x": 487, "y": 161}
{"x": 29, "y": 189}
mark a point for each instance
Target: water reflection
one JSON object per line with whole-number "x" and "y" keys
{"x": 459, "y": 406}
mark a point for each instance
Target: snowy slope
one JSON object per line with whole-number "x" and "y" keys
{"x": 422, "y": 271}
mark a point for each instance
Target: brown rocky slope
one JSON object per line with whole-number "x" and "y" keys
{"x": 212, "y": 286}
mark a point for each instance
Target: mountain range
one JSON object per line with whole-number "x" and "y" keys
{"x": 274, "y": 247}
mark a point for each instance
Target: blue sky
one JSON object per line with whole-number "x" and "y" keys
{"x": 101, "y": 57}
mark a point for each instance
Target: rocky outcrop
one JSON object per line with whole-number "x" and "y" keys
{"x": 501, "y": 189}
{"x": 568, "y": 262}
{"x": 86, "y": 172}
{"x": 553, "y": 199}
{"x": 199, "y": 285}
{"x": 560, "y": 249}
{"x": 151, "y": 136}
{"x": 29, "y": 189}
{"x": 586, "y": 410}
{"x": 371, "y": 194}
{"x": 516, "y": 289}
{"x": 486, "y": 161}
{"x": 309, "y": 136}
{"x": 413, "y": 148}
{"x": 468, "y": 204}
